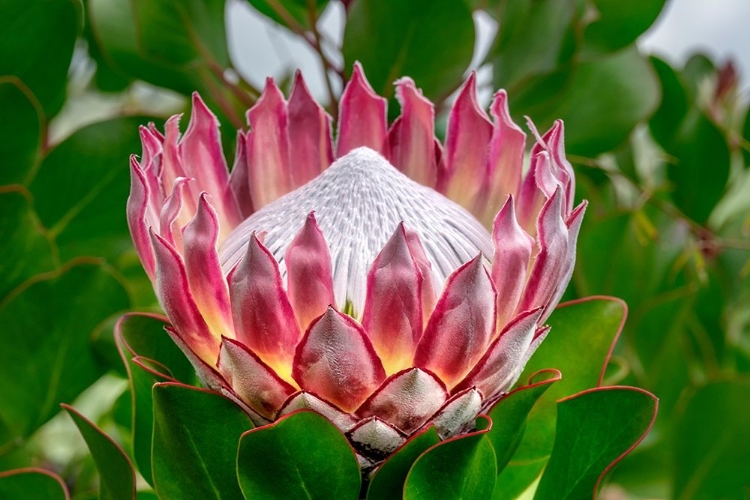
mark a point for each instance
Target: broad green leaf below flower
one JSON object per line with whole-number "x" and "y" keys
{"x": 582, "y": 335}
{"x": 116, "y": 476}
{"x": 196, "y": 432}
{"x": 306, "y": 456}
{"x": 462, "y": 467}
{"x": 595, "y": 429}
{"x": 388, "y": 481}
{"x": 51, "y": 321}
{"x": 143, "y": 342}
{"x": 509, "y": 415}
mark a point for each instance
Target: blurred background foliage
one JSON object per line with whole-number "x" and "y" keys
{"x": 661, "y": 152}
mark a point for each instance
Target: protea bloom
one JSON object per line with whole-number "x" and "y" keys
{"x": 357, "y": 280}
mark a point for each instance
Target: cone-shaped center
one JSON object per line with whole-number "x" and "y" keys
{"x": 358, "y": 202}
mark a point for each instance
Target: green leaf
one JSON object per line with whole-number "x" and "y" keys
{"x": 604, "y": 100}
{"x": 47, "y": 357}
{"x": 182, "y": 32}
{"x": 38, "y": 38}
{"x": 578, "y": 345}
{"x": 509, "y": 415}
{"x": 534, "y": 38}
{"x": 414, "y": 44}
{"x": 82, "y": 186}
{"x": 302, "y": 455}
{"x": 196, "y": 432}
{"x": 461, "y": 467}
{"x": 293, "y": 14}
{"x": 38, "y": 484}
{"x": 674, "y": 107}
{"x": 702, "y": 167}
{"x": 143, "y": 335}
{"x": 114, "y": 30}
{"x": 701, "y": 162}
{"x": 696, "y": 71}
{"x": 138, "y": 334}
{"x": 389, "y": 478}
{"x": 117, "y": 480}
{"x": 710, "y": 452}
{"x": 20, "y": 118}
{"x": 24, "y": 248}
{"x": 618, "y": 24}
{"x": 595, "y": 429}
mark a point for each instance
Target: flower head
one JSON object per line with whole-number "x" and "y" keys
{"x": 363, "y": 283}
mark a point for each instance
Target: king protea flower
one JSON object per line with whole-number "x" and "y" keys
{"x": 357, "y": 279}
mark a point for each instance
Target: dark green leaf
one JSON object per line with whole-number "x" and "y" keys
{"x": 534, "y": 38}
{"x": 38, "y": 38}
{"x": 182, "y": 32}
{"x": 509, "y": 415}
{"x": 82, "y": 186}
{"x": 604, "y": 101}
{"x": 293, "y": 14}
{"x": 302, "y": 455}
{"x": 712, "y": 459}
{"x": 618, "y": 24}
{"x": 388, "y": 481}
{"x": 674, "y": 107}
{"x": 113, "y": 29}
{"x": 595, "y": 429}
{"x": 516, "y": 479}
{"x": 47, "y": 326}
{"x": 578, "y": 345}
{"x": 697, "y": 69}
{"x": 143, "y": 335}
{"x": 414, "y": 44}
{"x": 196, "y": 432}
{"x": 38, "y": 484}
{"x": 138, "y": 334}
{"x": 461, "y": 467}
{"x": 24, "y": 249}
{"x": 702, "y": 167}
{"x": 20, "y": 118}
{"x": 117, "y": 480}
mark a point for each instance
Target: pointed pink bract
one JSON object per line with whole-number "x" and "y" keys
{"x": 263, "y": 317}
{"x": 362, "y": 117}
{"x": 412, "y": 135}
{"x": 335, "y": 360}
{"x": 310, "y": 150}
{"x": 466, "y": 145}
{"x": 513, "y": 248}
{"x": 392, "y": 316}
{"x": 462, "y": 325}
{"x": 268, "y": 147}
{"x": 309, "y": 274}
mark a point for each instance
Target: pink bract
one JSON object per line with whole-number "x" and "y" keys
{"x": 388, "y": 281}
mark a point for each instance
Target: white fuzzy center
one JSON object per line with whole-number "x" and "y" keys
{"x": 359, "y": 202}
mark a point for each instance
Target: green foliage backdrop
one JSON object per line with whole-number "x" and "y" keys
{"x": 661, "y": 152}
